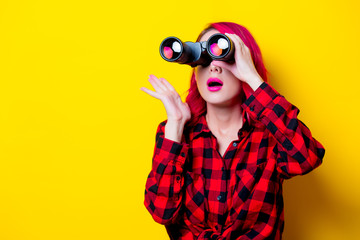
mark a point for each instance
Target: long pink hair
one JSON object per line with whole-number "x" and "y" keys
{"x": 196, "y": 103}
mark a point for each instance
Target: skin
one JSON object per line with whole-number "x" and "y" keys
{"x": 224, "y": 116}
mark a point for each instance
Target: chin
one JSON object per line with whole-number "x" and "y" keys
{"x": 222, "y": 98}
{"x": 228, "y": 102}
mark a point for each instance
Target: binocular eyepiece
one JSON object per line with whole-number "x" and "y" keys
{"x": 217, "y": 47}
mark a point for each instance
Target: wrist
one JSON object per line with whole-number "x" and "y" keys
{"x": 254, "y": 82}
{"x": 174, "y": 130}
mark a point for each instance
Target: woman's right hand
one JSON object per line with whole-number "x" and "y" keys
{"x": 178, "y": 112}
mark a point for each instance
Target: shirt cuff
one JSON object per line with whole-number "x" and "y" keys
{"x": 170, "y": 150}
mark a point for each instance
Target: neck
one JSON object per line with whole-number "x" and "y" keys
{"x": 224, "y": 120}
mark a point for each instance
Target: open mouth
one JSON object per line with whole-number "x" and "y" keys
{"x": 214, "y": 84}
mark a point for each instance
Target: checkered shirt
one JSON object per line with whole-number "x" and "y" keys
{"x": 199, "y": 194}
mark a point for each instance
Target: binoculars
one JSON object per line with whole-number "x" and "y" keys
{"x": 217, "y": 47}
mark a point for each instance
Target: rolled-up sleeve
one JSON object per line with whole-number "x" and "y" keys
{"x": 297, "y": 151}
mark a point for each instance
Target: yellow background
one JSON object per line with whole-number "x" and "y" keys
{"x": 77, "y": 133}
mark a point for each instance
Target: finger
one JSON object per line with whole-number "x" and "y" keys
{"x": 236, "y": 38}
{"x": 168, "y": 85}
{"x": 151, "y": 93}
{"x": 156, "y": 83}
{"x": 244, "y": 49}
{"x": 243, "y": 45}
{"x": 187, "y": 105}
{"x": 238, "y": 43}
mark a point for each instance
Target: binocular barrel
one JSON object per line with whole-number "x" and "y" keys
{"x": 218, "y": 47}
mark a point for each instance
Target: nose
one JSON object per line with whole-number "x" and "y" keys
{"x": 215, "y": 69}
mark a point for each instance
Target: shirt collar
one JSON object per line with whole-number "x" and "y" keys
{"x": 202, "y": 128}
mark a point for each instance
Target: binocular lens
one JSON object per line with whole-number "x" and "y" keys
{"x": 171, "y": 49}
{"x": 219, "y": 46}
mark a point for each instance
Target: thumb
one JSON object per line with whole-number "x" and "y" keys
{"x": 187, "y": 105}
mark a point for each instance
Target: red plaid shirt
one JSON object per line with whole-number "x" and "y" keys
{"x": 198, "y": 194}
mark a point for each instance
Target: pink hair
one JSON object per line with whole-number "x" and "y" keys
{"x": 196, "y": 103}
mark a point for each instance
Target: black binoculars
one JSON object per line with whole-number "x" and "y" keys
{"x": 217, "y": 47}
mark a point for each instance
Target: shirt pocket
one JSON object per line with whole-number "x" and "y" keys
{"x": 247, "y": 177}
{"x": 194, "y": 197}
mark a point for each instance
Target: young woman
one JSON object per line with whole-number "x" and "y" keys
{"x": 220, "y": 158}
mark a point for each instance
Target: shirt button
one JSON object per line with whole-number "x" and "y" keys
{"x": 182, "y": 154}
{"x": 234, "y": 144}
{"x": 178, "y": 178}
{"x": 219, "y": 197}
{"x": 252, "y": 108}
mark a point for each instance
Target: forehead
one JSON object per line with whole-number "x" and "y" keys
{"x": 208, "y": 34}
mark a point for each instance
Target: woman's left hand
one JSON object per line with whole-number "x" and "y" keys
{"x": 243, "y": 68}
